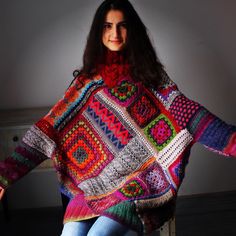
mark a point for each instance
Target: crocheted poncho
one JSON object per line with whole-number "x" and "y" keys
{"x": 120, "y": 150}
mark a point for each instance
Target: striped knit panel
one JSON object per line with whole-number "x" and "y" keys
{"x": 35, "y": 147}
{"x": 219, "y": 137}
{"x": 205, "y": 127}
{"x": 72, "y": 102}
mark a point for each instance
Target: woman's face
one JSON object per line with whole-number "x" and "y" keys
{"x": 114, "y": 31}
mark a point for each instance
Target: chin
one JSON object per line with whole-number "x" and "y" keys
{"x": 115, "y": 48}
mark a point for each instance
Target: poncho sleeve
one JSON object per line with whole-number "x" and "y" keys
{"x": 215, "y": 134}
{"x": 40, "y": 141}
{"x": 205, "y": 127}
{"x": 36, "y": 146}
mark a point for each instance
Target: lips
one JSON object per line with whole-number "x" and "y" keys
{"x": 115, "y": 41}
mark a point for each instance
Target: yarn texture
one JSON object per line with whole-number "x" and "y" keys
{"x": 121, "y": 149}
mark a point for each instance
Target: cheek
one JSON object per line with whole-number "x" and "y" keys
{"x": 124, "y": 35}
{"x": 104, "y": 38}
{"x": 106, "y": 35}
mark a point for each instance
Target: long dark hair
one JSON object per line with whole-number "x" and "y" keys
{"x": 140, "y": 54}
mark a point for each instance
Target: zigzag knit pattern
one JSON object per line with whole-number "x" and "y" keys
{"x": 120, "y": 151}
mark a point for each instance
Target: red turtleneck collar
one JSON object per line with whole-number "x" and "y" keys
{"x": 114, "y": 69}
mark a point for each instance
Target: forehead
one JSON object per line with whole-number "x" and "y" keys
{"x": 114, "y": 16}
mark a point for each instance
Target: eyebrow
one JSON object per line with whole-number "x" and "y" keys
{"x": 121, "y": 22}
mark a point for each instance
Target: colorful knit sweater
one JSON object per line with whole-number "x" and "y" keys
{"x": 120, "y": 151}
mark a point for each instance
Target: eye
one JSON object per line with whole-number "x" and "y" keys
{"x": 107, "y": 26}
{"x": 123, "y": 25}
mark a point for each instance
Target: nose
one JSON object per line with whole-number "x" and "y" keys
{"x": 115, "y": 32}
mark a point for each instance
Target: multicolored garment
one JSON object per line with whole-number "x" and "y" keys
{"x": 120, "y": 151}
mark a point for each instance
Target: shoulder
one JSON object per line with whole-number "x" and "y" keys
{"x": 167, "y": 90}
{"x": 81, "y": 82}
{"x": 74, "y": 98}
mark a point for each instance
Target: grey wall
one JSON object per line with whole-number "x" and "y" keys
{"x": 41, "y": 43}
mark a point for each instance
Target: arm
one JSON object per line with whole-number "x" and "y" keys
{"x": 205, "y": 127}
{"x": 215, "y": 134}
{"x": 39, "y": 142}
{"x": 36, "y": 146}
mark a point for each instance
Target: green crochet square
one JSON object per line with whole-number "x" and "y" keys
{"x": 160, "y": 132}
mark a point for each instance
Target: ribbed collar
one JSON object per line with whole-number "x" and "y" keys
{"x": 114, "y": 69}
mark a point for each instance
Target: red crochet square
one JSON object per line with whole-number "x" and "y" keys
{"x": 143, "y": 110}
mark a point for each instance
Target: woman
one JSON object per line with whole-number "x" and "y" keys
{"x": 121, "y": 135}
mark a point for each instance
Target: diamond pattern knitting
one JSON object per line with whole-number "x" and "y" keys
{"x": 183, "y": 109}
